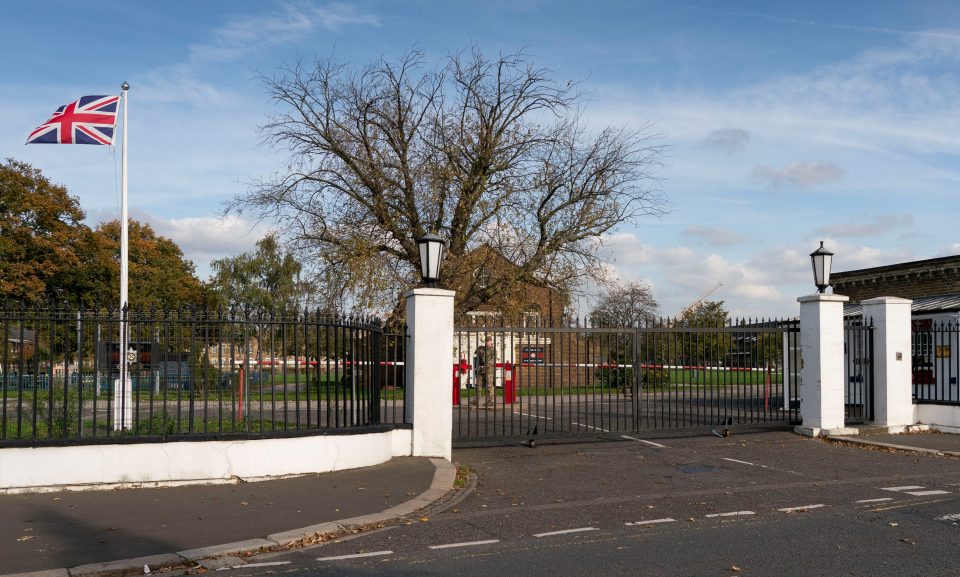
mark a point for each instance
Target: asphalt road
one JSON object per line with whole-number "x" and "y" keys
{"x": 760, "y": 504}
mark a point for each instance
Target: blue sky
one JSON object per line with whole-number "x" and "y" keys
{"x": 786, "y": 123}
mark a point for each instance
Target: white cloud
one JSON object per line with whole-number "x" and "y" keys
{"x": 798, "y": 174}
{"x": 715, "y": 236}
{"x": 728, "y": 140}
{"x": 881, "y": 224}
{"x": 243, "y": 35}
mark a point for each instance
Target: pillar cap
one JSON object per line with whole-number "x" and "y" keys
{"x": 427, "y": 291}
{"x": 823, "y": 298}
{"x": 886, "y": 300}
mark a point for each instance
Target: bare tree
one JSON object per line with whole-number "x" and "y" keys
{"x": 483, "y": 151}
{"x": 629, "y": 305}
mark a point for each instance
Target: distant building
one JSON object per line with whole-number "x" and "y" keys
{"x": 921, "y": 278}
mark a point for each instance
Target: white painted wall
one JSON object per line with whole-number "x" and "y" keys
{"x": 945, "y": 418}
{"x": 107, "y": 465}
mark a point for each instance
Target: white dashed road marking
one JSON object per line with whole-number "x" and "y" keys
{"x": 904, "y": 488}
{"x": 534, "y": 416}
{"x": 884, "y": 499}
{"x": 801, "y": 508}
{"x": 590, "y": 427}
{"x": 355, "y": 556}
{"x": 925, "y": 493}
{"x": 741, "y": 462}
{"x": 264, "y": 564}
{"x": 651, "y": 443}
{"x": 565, "y": 532}
{"x": 465, "y": 544}
{"x": 730, "y": 514}
{"x": 650, "y": 522}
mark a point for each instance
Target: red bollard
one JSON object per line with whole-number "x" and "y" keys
{"x": 509, "y": 385}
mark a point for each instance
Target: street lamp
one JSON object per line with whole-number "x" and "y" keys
{"x": 822, "y": 261}
{"x": 431, "y": 253}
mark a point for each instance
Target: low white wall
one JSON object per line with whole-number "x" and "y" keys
{"x": 109, "y": 465}
{"x": 944, "y": 418}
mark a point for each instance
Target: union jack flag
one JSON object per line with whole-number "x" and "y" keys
{"x": 90, "y": 120}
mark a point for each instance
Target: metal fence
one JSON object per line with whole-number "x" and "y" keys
{"x": 936, "y": 362}
{"x": 858, "y": 370}
{"x": 193, "y": 372}
{"x": 595, "y": 380}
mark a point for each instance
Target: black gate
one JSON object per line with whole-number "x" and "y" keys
{"x": 858, "y": 371}
{"x": 601, "y": 381}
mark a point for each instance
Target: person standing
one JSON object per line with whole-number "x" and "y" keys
{"x": 485, "y": 368}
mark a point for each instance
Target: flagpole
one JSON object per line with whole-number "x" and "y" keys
{"x": 126, "y": 413}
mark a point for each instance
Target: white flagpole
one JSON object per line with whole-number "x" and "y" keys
{"x": 123, "y": 398}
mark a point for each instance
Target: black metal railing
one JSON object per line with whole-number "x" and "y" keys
{"x": 193, "y": 372}
{"x": 577, "y": 378}
{"x": 936, "y": 361}
{"x": 858, "y": 370}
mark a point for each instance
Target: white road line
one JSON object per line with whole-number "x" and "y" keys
{"x": 955, "y": 518}
{"x": 650, "y": 522}
{"x": 741, "y": 462}
{"x": 651, "y": 443}
{"x": 465, "y": 544}
{"x": 590, "y": 427}
{"x": 801, "y": 508}
{"x": 565, "y": 531}
{"x": 534, "y": 416}
{"x": 874, "y": 500}
{"x": 356, "y": 556}
{"x": 925, "y": 493}
{"x": 730, "y": 514}
{"x": 264, "y": 564}
{"x": 904, "y": 488}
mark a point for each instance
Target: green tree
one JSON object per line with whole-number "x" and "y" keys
{"x": 700, "y": 346}
{"x": 159, "y": 275}
{"x": 266, "y": 279}
{"x": 41, "y": 231}
{"x": 483, "y": 151}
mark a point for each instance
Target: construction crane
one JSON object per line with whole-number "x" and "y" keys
{"x": 692, "y": 306}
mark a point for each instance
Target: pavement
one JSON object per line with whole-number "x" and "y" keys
{"x": 930, "y": 442}
{"x": 119, "y": 532}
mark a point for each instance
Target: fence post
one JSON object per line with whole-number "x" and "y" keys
{"x": 821, "y": 378}
{"x": 892, "y": 371}
{"x": 429, "y": 354}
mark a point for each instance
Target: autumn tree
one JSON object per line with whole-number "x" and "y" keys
{"x": 41, "y": 231}
{"x": 266, "y": 279}
{"x": 483, "y": 151}
{"x": 159, "y": 274}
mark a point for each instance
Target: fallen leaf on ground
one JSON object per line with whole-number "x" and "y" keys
{"x": 893, "y": 524}
{"x": 735, "y": 568}
{"x": 910, "y": 541}
{"x": 424, "y": 519}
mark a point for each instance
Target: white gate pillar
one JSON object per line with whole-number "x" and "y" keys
{"x": 821, "y": 377}
{"x": 892, "y": 372}
{"x": 428, "y": 365}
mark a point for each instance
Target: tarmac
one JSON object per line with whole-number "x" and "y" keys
{"x": 118, "y": 532}
{"x": 122, "y": 532}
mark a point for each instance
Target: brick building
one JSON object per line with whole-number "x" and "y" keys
{"x": 920, "y": 278}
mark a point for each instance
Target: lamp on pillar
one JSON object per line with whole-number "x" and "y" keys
{"x": 822, "y": 261}
{"x": 431, "y": 254}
